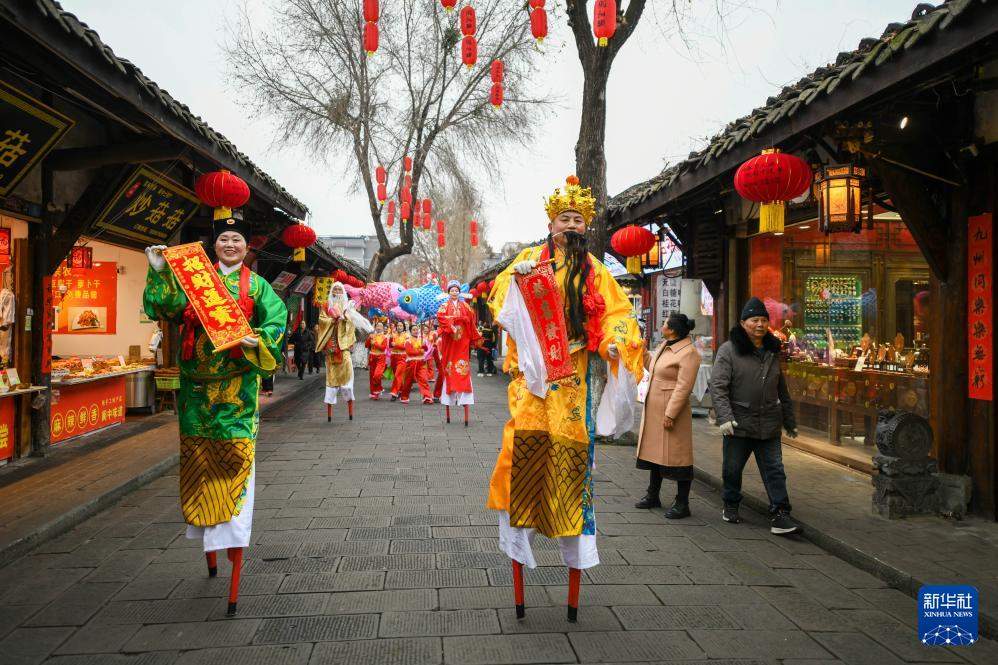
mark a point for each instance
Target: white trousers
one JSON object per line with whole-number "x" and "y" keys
{"x": 235, "y": 532}
{"x": 576, "y": 551}
{"x": 455, "y": 399}
{"x": 343, "y": 392}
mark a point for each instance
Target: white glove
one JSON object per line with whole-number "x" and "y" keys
{"x": 250, "y": 342}
{"x": 524, "y": 267}
{"x": 728, "y": 428}
{"x": 155, "y": 256}
{"x": 611, "y": 351}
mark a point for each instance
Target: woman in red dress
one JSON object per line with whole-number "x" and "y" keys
{"x": 397, "y": 348}
{"x": 417, "y": 351}
{"x": 377, "y": 347}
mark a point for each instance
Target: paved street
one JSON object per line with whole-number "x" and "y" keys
{"x": 372, "y": 546}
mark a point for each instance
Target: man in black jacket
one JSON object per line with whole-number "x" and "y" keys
{"x": 753, "y": 404}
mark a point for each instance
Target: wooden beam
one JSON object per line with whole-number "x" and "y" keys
{"x": 91, "y": 157}
{"x": 78, "y": 219}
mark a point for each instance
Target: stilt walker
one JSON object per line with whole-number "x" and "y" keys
{"x": 397, "y": 359}
{"x": 417, "y": 357}
{"x": 563, "y": 313}
{"x": 438, "y": 383}
{"x": 338, "y": 326}
{"x": 218, "y": 405}
{"x": 377, "y": 356}
{"x": 458, "y": 329}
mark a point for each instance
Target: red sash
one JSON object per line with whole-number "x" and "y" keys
{"x": 192, "y": 323}
{"x": 592, "y": 302}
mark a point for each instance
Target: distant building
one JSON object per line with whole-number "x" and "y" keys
{"x": 359, "y": 249}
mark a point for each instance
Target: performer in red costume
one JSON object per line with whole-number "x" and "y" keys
{"x": 377, "y": 347}
{"x": 397, "y": 360}
{"x": 417, "y": 353}
{"x": 458, "y": 334}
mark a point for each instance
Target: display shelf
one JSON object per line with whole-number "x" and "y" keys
{"x": 833, "y": 302}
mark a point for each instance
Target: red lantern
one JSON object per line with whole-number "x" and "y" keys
{"x": 417, "y": 219}
{"x": 604, "y": 20}
{"x": 469, "y": 21}
{"x": 339, "y": 274}
{"x": 536, "y": 4}
{"x": 370, "y": 38}
{"x": 407, "y": 181}
{"x": 381, "y": 175}
{"x": 771, "y": 179}
{"x": 427, "y": 222}
{"x": 469, "y": 51}
{"x": 406, "y": 210}
{"x": 382, "y": 192}
{"x": 448, "y": 4}
{"x": 391, "y": 218}
{"x": 298, "y": 237}
{"x": 371, "y": 10}
{"x": 473, "y": 226}
{"x": 496, "y": 95}
{"x": 427, "y": 206}
{"x": 497, "y": 71}
{"x": 441, "y": 243}
{"x": 406, "y": 195}
{"x": 391, "y": 207}
{"x": 474, "y": 240}
{"x": 407, "y": 163}
{"x": 223, "y": 191}
{"x": 539, "y": 24}
{"x": 632, "y": 241}
{"x": 440, "y": 226}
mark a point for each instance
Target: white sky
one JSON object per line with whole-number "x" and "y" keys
{"x": 662, "y": 103}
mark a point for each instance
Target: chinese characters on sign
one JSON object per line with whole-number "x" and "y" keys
{"x": 980, "y": 282}
{"x": 321, "y": 293}
{"x": 28, "y": 130}
{"x": 85, "y": 408}
{"x": 547, "y": 315}
{"x": 221, "y": 317}
{"x": 89, "y": 303}
{"x": 283, "y": 281}
{"x": 305, "y": 285}
{"x": 669, "y": 298}
{"x": 6, "y": 429}
{"x": 148, "y": 208}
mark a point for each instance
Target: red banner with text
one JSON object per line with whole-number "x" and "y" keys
{"x": 7, "y": 427}
{"x": 86, "y": 299}
{"x": 980, "y": 308}
{"x": 87, "y": 407}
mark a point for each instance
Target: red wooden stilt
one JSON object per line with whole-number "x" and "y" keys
{"x": 447, "y": 410}
{"x": 466, "y": 410}
{"x": 574, "y": 580}
{"x": 236, "y": 557}
{"x": 350, "y": 409}
{"x": 329, "y": 413}
{"x": 212, "y": 558}
{"x": 518, "y": 589}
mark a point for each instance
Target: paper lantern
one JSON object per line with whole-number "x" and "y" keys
{"x": 448, "y": 5}
{"x": 632, "y": 242}
{"x": 417, "y": 218}
{"x": 298, "y": 237}
{"x": 390, "y": 221}
{"x": 381, "y": 175}
{"x": 496, "y": 95}
{"x": 604, "y": 21}
{"x": 427, "y": 222}
{"x": 222, "y": 191}
{"x": 440, "y": 226}
{"x": 407, "y": 163}
{"x": 840, "y": 198}
{"x": 407, "y": 181}
{"x": 770, "y": 179}
{"x": 370, "y": 38}
{"x": 371, "y": 10}
{"x": 497, "y": 70}
{"x": 406, "y": 210}
{"x": 539, "y": 24}
{"x": 382, "y": 192}
{"x": 469, "y": 51}
{"x": 427, "y": 206}
{"x": 406, "y": 195}
{"x": 469, "y": 20}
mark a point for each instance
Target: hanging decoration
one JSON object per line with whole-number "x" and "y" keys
{"x": 496, "y": 95}
{"x": 840, "y": 198}
{"x": 497, "y": 71}
{"x": 771, "y": 179}
{"x": 473, "y": 231}
{"x": 407, "y": 163}
{"x": 427, "y": 222}
{"x": 469, "y": 51}
{"x": 370, "y": 38}
{"x": 391, "y": 214}
{"x": 427, "y": 207}
{"x": 441, "y": 241}
{"x": 298, "y": 237}
{"x": 448, "y": 5}
{"x": 222, "y": 191}
{"x": 538, "y": 20}
{"x": 632, "y": 242}
{"x": 469, "y": 20}
{"x": 382, "y": 192}
{"x": 81, "y": 257}
{"x": 381, "y": 176}
{"x": 406, "y": 211}
{"x": 604, "y": 21}
{"x": 417, "y": 218}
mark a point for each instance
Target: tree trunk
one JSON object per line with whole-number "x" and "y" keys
{"x": 590, "y": 153}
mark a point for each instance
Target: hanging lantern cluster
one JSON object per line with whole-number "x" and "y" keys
{"x": 497, "y": 72}
{"x": 371, "y": 15}
{"x": 538, "y": 20}
{"x": 406, "y": 194}
{"x": 482, "y": 289}
{"x": 382, "y": 178}
{"x": 222, "y": 191}
{"x": 344, "y": 277}
{"x": 298, "y": 237}
{"x": 632, "y": 242}
{"x": 441, "y": 240}
{"x": 473, "y": 231}
{"x": 604, "y": 21}
{"x": 469, "y": 45}
{"x": 771, "y": 179}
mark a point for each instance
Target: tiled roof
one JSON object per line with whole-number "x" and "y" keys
{"x": 870, "y": 55}
{"x": 72, "y": 26}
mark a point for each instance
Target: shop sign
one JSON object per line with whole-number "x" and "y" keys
{"x": 28, "y": 131}
{"x": 86, "y": 299}
{"x": 980, "y": 312}
{"x": 81, "y": 257}
{"x": 668, "y": 298}
{"x": 87, "y": 407}
{"x": 283, "y": 281}
{"x": 148, "y": 208}
{"x": 321, "y": 293}
{"x": 6, "y": 428}
{"x": 47, "y": 323}
{"x": 305, "y": 285}
{"x": 222, "y": 319}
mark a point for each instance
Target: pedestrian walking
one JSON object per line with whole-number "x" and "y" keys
{"x": 486, "y": 365}
{"x": 304, "y": 344}
{"x": 665, "y": 444}
{"x": 752, "y": 404}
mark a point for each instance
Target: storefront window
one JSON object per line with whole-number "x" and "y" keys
{"x": 853, "y": 310}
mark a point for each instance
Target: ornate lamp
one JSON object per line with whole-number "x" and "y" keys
{"x": 840, "y": 197}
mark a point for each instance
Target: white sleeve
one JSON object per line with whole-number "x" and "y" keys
{"x": 515, "y": 319}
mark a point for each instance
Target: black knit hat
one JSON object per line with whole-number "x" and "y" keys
{"x": 754, "y": 307}
{"x": 233, "y": 223}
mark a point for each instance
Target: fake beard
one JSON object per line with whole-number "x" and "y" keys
{"x": 577, "y": 267}
{"x": 337, "y": 303}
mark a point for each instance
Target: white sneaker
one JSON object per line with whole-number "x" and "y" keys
{"x": 480, "y": 374}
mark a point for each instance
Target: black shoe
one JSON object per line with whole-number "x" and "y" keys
{"x": 782, "y": 524}
{"x": 394, "y": 397}
{"x": 730, "y": 513}
{"x": 678, "y": 511}
{"x": 649, "y": 501}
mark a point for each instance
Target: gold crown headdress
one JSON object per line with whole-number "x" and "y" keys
{"x": 575, "y": 197}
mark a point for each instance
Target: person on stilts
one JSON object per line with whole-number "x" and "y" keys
{"x": 338, "y": 326}
{"x": 397, "y": 360}
{"x": 377, "y": 349}
{"x": 417, "y": 355}
{"x": 218, "y": 406}
{"x": 458, "y": 328}
{"x": 569, "y": 317}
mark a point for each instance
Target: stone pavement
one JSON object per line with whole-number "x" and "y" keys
{"x": 371, "y": 545}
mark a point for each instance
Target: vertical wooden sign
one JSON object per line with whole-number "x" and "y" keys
{"x": 980, "y": 313}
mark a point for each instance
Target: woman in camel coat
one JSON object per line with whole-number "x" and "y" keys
{"x": 665, "y": 445}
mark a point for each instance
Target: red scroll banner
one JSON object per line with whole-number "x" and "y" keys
{"x": 223, "y": 321}
{"x": 547, "y": 314}
{"x": 980, "y": 313}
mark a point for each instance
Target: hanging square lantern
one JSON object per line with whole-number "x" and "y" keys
{"x": 81, "y": 257}
{"x": 653, "y": 258}
{"x": 840, "y": 198}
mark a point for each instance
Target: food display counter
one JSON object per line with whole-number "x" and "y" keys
{"x": 8, "y": 417}
{"x": 85, "y": 401}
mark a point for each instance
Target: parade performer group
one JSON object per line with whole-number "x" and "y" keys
{"x": 571, "y": 316}
{"x": 339, "y": 323}
{"x": 218, "y": 405}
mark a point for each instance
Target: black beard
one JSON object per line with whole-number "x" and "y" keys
{"x": 577, "y": 268}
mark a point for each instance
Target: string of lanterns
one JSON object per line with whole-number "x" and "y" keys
{"x": 372, "y": 13}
